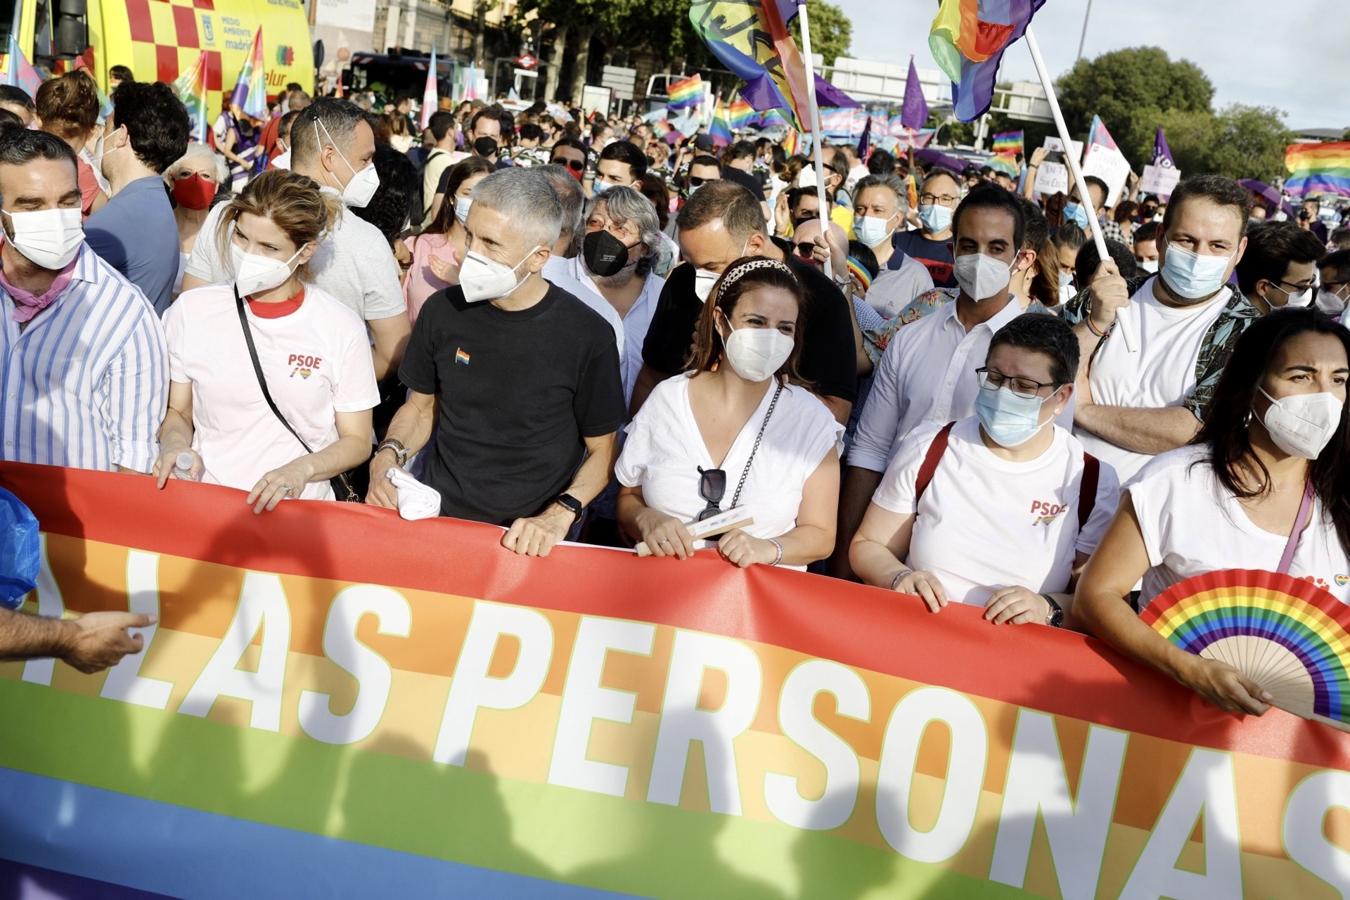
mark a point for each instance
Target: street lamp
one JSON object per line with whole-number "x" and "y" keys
{"x": 1083, "y": 38}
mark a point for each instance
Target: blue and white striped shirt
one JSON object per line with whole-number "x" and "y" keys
{"x": 86, "y": 383}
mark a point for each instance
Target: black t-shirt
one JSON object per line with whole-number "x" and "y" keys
{"x": 745, "y": 179}
{"x": 936, "y": 256}
{"x": 515, "y": 393}
{"x": 827, "y": 359}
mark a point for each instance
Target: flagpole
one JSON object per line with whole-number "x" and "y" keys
{"x": 814, "y": 106}
{"x": 1085, "y": 198}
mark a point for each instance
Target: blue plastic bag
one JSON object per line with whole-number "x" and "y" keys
{"x": 19, "y": 552}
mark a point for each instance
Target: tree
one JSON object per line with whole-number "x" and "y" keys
{"x": 1240, "y": 142}
{"x": 1129, "y": 89}
{"x": 831, "y": 30}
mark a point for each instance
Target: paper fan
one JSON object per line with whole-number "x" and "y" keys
{"x": 1288, "y": 635}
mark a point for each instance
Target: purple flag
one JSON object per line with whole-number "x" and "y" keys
{"x": 915, "y": 112}
{"x": 1162, "y": 154}
{"x": 865, "y": 142}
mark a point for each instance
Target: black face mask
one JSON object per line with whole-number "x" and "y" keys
{"x": 604, "y": 254}
{"x": 485, "y": 146}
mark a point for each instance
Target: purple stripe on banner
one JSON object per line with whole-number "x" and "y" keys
{"x": 23, "y": 882}
{"x": 124, "y": 840}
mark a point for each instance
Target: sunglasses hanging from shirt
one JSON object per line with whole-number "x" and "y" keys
{"x": 712, "y": 483}
{"x": 342, "y": 482}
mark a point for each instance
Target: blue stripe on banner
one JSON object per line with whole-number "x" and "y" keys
{"x": 21, "y": 882}
{"x": 152, "y": 846}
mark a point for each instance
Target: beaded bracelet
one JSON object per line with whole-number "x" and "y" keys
{"x": 779, "y": 547}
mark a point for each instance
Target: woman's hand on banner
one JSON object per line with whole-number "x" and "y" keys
{"x": 926, "y": 586}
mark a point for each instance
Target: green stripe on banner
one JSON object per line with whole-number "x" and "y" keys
{"x": 444, "y": 812}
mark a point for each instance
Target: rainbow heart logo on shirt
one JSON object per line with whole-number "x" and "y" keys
{"x": 1342, "y": 580}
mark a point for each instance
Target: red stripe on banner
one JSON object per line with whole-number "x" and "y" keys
{"x": 185, "y": 27}
{"x": 166, "y": 63}
{"x": 1055, "y": 671}
{"x": 138, "y": 17}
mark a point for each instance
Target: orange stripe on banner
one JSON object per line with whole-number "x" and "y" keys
{"x": 1062, "y": 673}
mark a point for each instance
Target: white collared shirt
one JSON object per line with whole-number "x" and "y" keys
{"x": 927, "y": 374}
{"x": 630, "y": 329}
{"x": 86, "y": 383}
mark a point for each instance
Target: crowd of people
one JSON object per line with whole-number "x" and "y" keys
{"x": 613, "y": 333}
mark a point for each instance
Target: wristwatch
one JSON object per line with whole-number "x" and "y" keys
{"x": 1056, "y": 619}
{"x": 400, "y": 452}
{"x": 571, "y": 504}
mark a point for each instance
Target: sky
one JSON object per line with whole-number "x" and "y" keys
{"x": 1290, "y": 54}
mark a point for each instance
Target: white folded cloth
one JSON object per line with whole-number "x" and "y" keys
{"x": 415, "y": 499}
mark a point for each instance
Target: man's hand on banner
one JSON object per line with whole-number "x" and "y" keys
{"x": 97, "y": 640}
{"x": 537, "y": 535}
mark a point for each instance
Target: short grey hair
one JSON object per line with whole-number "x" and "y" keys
{"x": 891, "y": 183}
{"x": 527, "y": 199}
{"x": 568, "y": 191}
{"x": 202, "y": 153}
{"x": 626, "y": 205}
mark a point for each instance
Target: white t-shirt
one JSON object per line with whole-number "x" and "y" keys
{"x": 665, "y": 448}
{"x": 1160, "y": 373}
{"x": 317, "y": 364}
{"x": 353, "y": 264}
{"x": 1192, "y": 525}
{"x": 986, "y": 523}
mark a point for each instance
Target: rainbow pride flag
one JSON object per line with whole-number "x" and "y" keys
{"x": 1318, "y": 168}
{"x": 968, "y": 40}
{"x": 685, "y": 94}
{"x": 191, "y": 89}
{"x": 791, "y": 141}
{"x": 250, "y": 91}
{"x": 1008, "y": 143}
{"x": 1006, "y": 164}
{"x": 720, "y": 129}
{"x": 741, "y": 114}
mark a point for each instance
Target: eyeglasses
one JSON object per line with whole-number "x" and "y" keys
{"x": 712, "y": 487}
{"x": 697, "y": 182}
{"x": 575, "y": 165}
{"x": 806, "y": 249}
{"x": 945, "y": 199}
{"x": 1027, "y": 389}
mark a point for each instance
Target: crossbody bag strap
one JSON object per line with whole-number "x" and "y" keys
{"x": 1087, "y": 489}
{"x": 930, "y": 462}
{"x": 257, "y": 370}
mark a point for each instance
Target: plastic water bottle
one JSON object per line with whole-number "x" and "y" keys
{"x": 182, "y": 466}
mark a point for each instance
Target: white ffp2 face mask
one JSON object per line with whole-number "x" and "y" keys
{"x": 703, "y": 284}
{"x": 981, "y": 276}
{"x": 756, "y": 354}
{"x": 486, "y": 279}
{"x": 255, "y": 274}
{"x": 1302, "y": 425}
{"x": 363, "y": 184}
{"x": 48, "y": 238}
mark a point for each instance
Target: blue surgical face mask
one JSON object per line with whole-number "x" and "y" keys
{"x": 1076, "y": 213}
{"x": 1009, "y": 420}
{"x": 935, "y": 218}
{"x": 1193, "y": 276}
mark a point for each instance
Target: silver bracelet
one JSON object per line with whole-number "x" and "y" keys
{"x": 779, "y": 547}
{"x": 895, "y": 579}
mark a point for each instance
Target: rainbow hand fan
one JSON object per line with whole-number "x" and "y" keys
{"x": 1288, "y": 635}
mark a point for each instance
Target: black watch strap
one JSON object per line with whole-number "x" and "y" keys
{"x": 571, "y": 504}
{"x": 1056, "y": 612}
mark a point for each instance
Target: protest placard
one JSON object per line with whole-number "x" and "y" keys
{"x": 1052, "y": 178}
{"x": 1160, "y": 180}
{"x": 1110, "y": 166}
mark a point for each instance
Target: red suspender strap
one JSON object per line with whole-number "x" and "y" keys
{"x": 930, "y": 462}
{"x": 1087, "y": 489}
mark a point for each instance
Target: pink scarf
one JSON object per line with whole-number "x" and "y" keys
{"x": 26, "y": 304}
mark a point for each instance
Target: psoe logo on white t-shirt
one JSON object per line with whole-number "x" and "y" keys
{"x": 303, "y": 365}
{"x": 1046, "y": 513}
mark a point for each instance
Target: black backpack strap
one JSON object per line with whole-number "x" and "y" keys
{"x": 1087, "y": 489}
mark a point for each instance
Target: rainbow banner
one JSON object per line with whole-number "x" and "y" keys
{"x": 250, "y": 91}
{"x": 1318, "y": 169}
{"x": 685, "y": 94}
{"x": 336, "y": 702}
{"x": 720, "y": 126}
{"x": 191, "y": 89}
{"x": 1008, "y": 143}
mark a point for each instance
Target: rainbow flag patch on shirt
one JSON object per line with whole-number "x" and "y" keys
{"x": 461, "y": 356}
